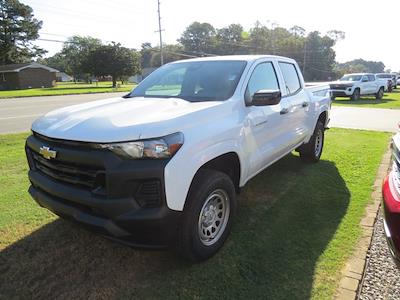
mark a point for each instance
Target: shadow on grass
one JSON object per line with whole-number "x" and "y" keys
{"x": 287, "y": 216}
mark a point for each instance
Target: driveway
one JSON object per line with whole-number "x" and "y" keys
{"x": 17, "y": 115}
{"x": 379, "y": 119}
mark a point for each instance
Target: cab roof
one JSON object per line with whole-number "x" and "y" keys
{"x": 247, "y": 58}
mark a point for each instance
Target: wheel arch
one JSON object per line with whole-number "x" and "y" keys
{"x": 228, "y": 163}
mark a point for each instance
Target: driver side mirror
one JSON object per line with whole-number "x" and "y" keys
{"x": 266, "y": 97}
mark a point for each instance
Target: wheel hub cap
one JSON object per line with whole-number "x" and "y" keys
{"x": 213, "y": 217}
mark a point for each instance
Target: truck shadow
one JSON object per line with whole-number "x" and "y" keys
{"x": 287, "y": 216}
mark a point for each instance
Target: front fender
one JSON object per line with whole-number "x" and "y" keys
{"x": 180, "y": 171}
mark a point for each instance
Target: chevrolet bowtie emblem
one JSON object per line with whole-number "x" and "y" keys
{"x": 47, "y": 153}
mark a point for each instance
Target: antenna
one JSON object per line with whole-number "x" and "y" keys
{"x": 160, "y": 32}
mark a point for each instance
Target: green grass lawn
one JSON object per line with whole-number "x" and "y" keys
{"x": 296, "y": 225}
{"x": 68, "y": 88}
{"x": 390, "y": 100}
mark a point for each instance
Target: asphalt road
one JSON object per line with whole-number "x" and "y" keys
{"x": 17, "y": 115}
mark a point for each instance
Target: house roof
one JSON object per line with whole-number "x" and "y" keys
{"x": 19, "y": 67}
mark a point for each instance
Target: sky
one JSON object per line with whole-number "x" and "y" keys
{"x": 371, "y": 27}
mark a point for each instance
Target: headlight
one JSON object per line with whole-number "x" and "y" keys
{"x": 164, "y": 147}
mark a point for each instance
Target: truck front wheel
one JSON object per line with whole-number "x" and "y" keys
{"x": 207, "y": 217}
{"x": 356, "y": 95}
{"x": 313, "y": 149}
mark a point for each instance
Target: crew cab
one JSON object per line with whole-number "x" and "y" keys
{"x": 387, "y": 78}
{"x": 162, "y": 166}
{"x": 357, "y": 85}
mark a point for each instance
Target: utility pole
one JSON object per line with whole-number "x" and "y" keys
{"x": 160, "y": 32}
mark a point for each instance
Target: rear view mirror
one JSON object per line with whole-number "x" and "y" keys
{"x": 266, "y": 97}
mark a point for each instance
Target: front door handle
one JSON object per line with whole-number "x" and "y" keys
{"x": 284, "y": 111}
{"x": 305, "y": 104}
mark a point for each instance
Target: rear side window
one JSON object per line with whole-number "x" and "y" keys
{"x": 263, "y": 78}
{"x": 291, "y": 77}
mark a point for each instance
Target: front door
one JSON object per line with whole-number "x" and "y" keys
{"x": 268, "y": 136}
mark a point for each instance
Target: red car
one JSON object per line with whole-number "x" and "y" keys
{"x": 391, "y": 202}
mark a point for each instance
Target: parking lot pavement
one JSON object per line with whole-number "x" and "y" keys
{"x": 379, "y": 119}
{"x": 17, "y": 114}
{"x": 381, "y": 277}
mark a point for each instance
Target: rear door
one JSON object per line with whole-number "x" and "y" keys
{"x": 299, "y": 101}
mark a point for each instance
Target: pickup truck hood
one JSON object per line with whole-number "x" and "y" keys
{"x": 119, "y": 119}
{"x": 342, "y": 82}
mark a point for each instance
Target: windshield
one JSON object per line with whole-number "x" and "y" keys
{"x": 192, "y": 81}
{"x": 351, "y": 78}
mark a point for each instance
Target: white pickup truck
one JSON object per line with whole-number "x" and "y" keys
{"x": 357, "y": 85}
{"x": 162, "y": 165}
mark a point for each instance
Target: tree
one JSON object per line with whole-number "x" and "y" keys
{"x": 113, "y": 60}
{"x": 230, "y": 40}
{"x": 75, "y": 52}
{"x": 336, "y": 35}
{"x": 18, "y": 28}
{"x": 298, "y": 31}
{"x": 57, "y": 61}
{"x": 360, "y": 66}
{"x": 146, "y": 54}
{"x": 199, "y": 38}
{"x": 319, "y": 57}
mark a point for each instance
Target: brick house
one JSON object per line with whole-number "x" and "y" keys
{"x": 25, "y": 76}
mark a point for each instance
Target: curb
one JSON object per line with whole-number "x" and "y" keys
{"x": 353, "y": 272}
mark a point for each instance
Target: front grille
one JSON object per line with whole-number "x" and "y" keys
{"x": 76, "y": 174}
{"x": 338, "y": 87}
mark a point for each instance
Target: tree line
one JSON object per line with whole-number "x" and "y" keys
{"x": 313, "y": 51}
{"x": 85, "y": 57}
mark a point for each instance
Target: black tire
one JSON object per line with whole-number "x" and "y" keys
{"x": 380, "y": 93}
{"x": 312, "y": 151}
{"x": 191, "y": 243}
{"x": 356, "y": 95}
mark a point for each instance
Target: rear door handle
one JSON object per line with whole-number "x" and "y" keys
{"x": 284, "y": 111}
{"x": 305, "y": 104}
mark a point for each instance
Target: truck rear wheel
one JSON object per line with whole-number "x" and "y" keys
{"x": 312, "y": 151}
{"x": 207, "y": 217}
{"x": 356, "y": 95}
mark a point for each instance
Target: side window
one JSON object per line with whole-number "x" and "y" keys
{"x": 263, "y": 78}
{"x": 365, "y": 78}
{"x": 371, "y": 77}
{"x": 291, "y": 77}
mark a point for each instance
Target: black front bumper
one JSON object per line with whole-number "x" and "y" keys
{"x": 339, "y": 94}
{"x": 125, "y": 199}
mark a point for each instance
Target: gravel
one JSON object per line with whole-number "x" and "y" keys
{"x": 382, "y": 277}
